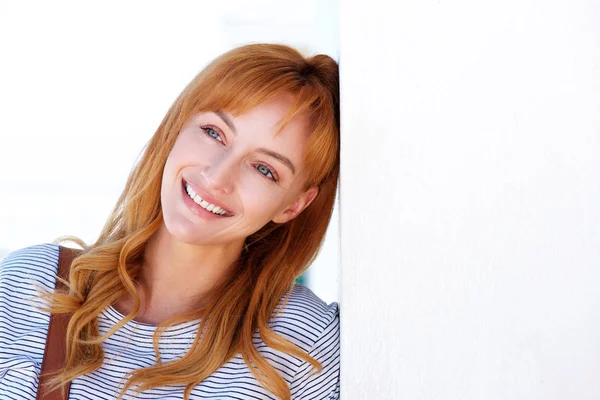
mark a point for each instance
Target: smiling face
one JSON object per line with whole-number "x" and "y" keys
{"x": 239, "y": 169}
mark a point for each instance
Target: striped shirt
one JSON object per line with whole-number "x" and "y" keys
{"x": 305, "y": 320}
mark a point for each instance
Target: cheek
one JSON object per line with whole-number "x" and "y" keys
{"x": 187, "y": 151}
{"x": 260, "y": 204}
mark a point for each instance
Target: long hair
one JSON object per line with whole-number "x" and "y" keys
{"x": 275, "y": 255}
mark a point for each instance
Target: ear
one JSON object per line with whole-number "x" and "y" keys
{"x": 297, "y": 206}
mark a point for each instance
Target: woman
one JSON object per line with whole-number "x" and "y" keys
{"x": 189, "y": 290}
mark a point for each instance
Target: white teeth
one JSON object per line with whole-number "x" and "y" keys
{"x": 203, "y": 203}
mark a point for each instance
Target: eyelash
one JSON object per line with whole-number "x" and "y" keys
{"x": 210, "y": 128}
{"x": 273, "y": 175}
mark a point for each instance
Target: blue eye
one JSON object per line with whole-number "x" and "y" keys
{"x": 264, "y": 170}
{"x": 212, "y": 133}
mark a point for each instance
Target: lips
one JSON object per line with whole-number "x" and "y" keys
{"x": 209, "y": 204}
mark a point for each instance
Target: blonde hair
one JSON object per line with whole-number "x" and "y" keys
{"x": 105, "y": 271}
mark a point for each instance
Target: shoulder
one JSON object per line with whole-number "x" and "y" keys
{"x": 23, "y": 327}
{"x": 318, "y": 325}
{"x": 47, "y": 252}
{"x": 304, "y": 318}
{"x": 37, "y": 263}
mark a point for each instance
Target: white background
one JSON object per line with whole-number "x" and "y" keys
{"x": 470, "y": 200}
{"x": 84, "y": 85}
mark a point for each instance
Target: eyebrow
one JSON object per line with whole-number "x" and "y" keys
{"x": 286, "y": 161}
{"x": 227, "y": 120}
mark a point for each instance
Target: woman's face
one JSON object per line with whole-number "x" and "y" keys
{"x": 238, "y": 169}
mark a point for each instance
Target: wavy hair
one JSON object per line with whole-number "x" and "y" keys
{"x": 106, "y": 270}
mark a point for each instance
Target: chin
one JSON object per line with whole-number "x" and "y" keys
{"x": 182, "y": 229}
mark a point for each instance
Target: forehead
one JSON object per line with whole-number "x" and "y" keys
{"x": 269, "y": 115}
{"x": 260, "y": 128}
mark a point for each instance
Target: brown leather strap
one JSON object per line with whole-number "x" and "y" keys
{"x": 54, "y": 354}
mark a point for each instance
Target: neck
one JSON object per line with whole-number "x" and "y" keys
{"x": 176, "y": 277}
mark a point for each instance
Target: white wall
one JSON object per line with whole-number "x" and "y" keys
{"x": 470, "y": 200}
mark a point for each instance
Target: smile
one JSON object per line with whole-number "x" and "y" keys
{"x": 203, "y": 203}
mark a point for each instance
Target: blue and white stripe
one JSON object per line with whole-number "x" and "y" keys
{"x": 305, "y": 320}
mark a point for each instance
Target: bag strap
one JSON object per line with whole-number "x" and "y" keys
{"x": 54, "y": 353}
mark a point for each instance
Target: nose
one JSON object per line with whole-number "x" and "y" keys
{"x": 219, "y": 174}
